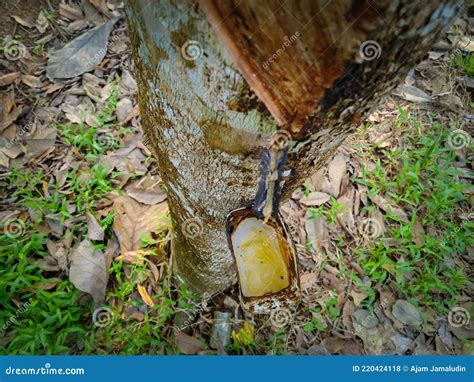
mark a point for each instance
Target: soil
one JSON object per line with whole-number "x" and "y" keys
{"x": 26, "y": 10}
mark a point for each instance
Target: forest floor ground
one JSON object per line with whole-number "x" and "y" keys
{"x": 383, "y": 232}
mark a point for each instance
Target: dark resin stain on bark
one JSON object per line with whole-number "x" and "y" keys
{"x": 317, "y": 87}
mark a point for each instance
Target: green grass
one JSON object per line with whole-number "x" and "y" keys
{"x": 463, "y": 62}
{"x": 50, "y": 316}
{"x": 91, "y": 141}
{"x": 54, "y": 322}
{"x": 42, "y": 312}
{"x": 420, "y": 178}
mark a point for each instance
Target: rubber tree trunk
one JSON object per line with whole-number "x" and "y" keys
{"x": 216, "y": 78}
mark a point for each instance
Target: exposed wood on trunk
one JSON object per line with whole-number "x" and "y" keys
{"x": 291, "y": 53}
{"x": 206, "y": 125}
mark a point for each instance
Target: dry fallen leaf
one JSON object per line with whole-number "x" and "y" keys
{"x": 337, "y": 169}
{"x": 144, "y": 295}
{"x": 25, "y": 22}
{"x": 124, "y": 108}
{"x": 418, "y": 232}
{"x": 88, "y": 272}
{"x": 315, "y": 199}
{"x": 187, "y": 344}
{"x": 41, "y": 22}
{"x": 147, "y": 190}
{"x": 413, "y": 94}
{"x": 9, "y": 78}
{"x": 94, "y": 230}
{"x": 316, "y": 230}
{"x": 308, "y": 280}
{"x": 358, "y": 297}
{"x": 72, "y": 12}
{"x": 81, "y": 54}
{"x": 407, "y": 313}
{"x": 132, "y": 220}
{"x": 386, "y": 206}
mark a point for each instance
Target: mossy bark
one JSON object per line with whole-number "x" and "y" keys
{"x": 205, "y": 117}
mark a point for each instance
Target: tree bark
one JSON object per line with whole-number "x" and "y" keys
{"x": 215, "y": 78}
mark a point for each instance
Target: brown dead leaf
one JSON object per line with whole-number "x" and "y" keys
{"x": 94, "y": 230}
{"x": 358, "y": 297}
{"x": 133, "y": 257}
{"x": 333, "y": 344}
{"x": 70, "y": 12}
{"x": 124, "y": 109}
{"x": 154, "y": 271}
{"x": 316, "y": 229}
{"x": 133, "y": 220}
{"x": 315, "y": 199}
{"x": 330, "y": 281}
{"x": 92, "y": 15}
{"x": 100, "y": 5}
{"x": 308, "y": 280}
{"x": 463, "y": 42}
{"x": 147, "y": 190}
{"x": 187, "y": 344}
{"x": 25, "y": 22}
{"x": 412, "y": 93}
{"x": 128, "y": 85}
{"x": 41, "y": 22}
{"x": 418, "y": 232}
{"x": 8, "y": 110}
{"x": 88, "y": 272}
{"x": 9, "y": 78}
{"x": 347, "y": 312}
{"x": 386, "y": 206}
{"x": 337, "y": 169}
